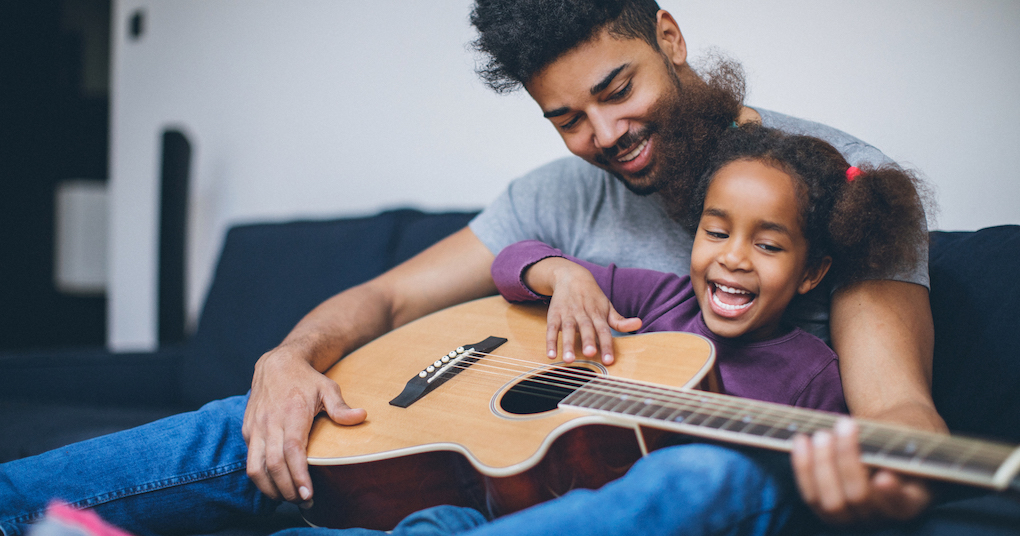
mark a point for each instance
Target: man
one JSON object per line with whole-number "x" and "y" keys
{"x": 599, "y": 95}
{"x": 602, "y": 86}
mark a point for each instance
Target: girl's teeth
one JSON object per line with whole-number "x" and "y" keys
{"x": 730, "y": 290}
{"x": 729, "y": 307}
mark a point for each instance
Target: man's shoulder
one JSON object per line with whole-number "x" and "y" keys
{"x": 854, "y": 149}
{"x": 566, "y": 170}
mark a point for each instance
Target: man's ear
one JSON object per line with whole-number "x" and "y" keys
{"x": 814, "y": 274}
{"x": 671, "y": 41}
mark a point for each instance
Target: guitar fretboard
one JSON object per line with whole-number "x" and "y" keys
{"x": 763, "y": 424}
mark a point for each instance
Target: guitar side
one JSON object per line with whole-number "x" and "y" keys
{"x": 457, "y": 445}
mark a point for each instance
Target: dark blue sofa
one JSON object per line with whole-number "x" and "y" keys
{"x": 269, "y": 275}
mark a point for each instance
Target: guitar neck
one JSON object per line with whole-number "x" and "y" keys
{"x": 761, "y": 424}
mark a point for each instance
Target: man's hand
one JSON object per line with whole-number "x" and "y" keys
{"x": 578, "y": 308}
{"x": 882, "y": 331}
{"x": 841, "y": 490}
{"x": 288, "y": 390}
{"x": 286, "y": 395}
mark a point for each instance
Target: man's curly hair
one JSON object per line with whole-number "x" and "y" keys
{"x": 519, "y": 38}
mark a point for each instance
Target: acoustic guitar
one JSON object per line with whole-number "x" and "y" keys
{"x": 496, "y": 425}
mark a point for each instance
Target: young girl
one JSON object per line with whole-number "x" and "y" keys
{"x": 777, "y": 213}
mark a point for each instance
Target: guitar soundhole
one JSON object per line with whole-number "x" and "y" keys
{"x": 543, "y": 391}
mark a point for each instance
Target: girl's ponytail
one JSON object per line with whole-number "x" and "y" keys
{"x": 877, "y": 223}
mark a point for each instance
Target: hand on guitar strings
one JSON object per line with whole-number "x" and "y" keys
{"x": 578, "y": 309}
{"x": 841, "y": 490}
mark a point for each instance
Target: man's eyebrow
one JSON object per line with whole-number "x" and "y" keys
{"x": 601, "y": 86}
{"x": 595, "y": 90}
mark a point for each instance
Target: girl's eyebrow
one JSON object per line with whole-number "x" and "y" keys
{"x": 773, "y": 226}
{"x": 762, "y": 224}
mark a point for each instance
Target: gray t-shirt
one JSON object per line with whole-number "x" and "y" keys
{"x": 589, "y": 214}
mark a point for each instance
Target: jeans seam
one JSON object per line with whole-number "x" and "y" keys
{"x": 148, "y": 487}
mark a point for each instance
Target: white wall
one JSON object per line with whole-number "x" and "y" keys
{"x": 316, "y": 108}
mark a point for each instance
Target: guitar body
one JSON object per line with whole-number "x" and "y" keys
{"x": 477, "y": 440}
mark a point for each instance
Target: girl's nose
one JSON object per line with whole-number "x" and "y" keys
{"x": 735, "y": 256}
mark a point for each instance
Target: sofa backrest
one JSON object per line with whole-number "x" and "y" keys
{"x": 270, "y": 275}
{"x": 975, "y": 300}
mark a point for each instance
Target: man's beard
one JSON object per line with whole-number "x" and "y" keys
{"x": 687, "y": 123}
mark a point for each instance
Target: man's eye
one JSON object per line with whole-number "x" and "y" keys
{"x": 622, "y": 93}
{"x": 570, "y": 124}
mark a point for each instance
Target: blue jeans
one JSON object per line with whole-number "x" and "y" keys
{"x": 183, "y": 474}
{"x": 689, "y": 489}
{"x": 186, "y": 474}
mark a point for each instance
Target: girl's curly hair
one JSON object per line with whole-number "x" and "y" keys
{"x": 874, "y": 222}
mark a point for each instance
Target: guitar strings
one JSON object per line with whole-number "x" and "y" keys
{"x": 732, "y": 409}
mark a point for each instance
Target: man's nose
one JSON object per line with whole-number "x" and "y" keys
{"x": 606, "y": 129}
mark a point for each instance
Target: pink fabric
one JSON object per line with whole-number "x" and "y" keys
{"x": 85, "y": 520}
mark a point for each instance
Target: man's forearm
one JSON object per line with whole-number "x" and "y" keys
{"x": 882, "y": 331}
{"x": 452, "y": 271}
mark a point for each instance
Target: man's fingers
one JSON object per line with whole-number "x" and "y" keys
{"x": 338, "y": 410}
{"x": 803, "y": 470}
{"x": 257, "y": 472}
{"x": 853, "y": 475}
{"x": 900, "y": 497}
{"x": 831, "y": 498}
{"x": 294, "y": 451}
{"x": 276, "y": 464}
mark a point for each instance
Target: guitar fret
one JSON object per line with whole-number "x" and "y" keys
{"x": 936, "y": 455}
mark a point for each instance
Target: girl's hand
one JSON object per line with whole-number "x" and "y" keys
{"x": 578, "y": 309}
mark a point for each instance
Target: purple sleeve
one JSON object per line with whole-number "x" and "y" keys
{"x": 509, "y": 266}
{"x": 633, "y": 291}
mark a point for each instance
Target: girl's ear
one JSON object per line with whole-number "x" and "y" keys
{"x": 814, "y": 274}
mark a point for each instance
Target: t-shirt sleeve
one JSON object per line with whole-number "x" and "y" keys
{"x": 537, "y": 206}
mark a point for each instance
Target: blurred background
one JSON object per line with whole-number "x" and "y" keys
{"x": 327, "y": 108}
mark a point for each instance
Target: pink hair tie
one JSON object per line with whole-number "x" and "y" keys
{"x": 852, "y": 173}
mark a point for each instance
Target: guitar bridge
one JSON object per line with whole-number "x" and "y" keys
{"x": 443, "y": 369}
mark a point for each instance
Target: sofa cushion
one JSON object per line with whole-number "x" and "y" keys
{"x": 975, "y": 299}
{"x": 269, "y": 275}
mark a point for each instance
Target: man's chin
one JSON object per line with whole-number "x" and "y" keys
{"x": 643, "y": 185}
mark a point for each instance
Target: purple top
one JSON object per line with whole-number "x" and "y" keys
{"x": 795, "y": 368}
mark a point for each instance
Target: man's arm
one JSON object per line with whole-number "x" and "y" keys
{"x": 289, "y": 389}
{"x": 882, "y": 331}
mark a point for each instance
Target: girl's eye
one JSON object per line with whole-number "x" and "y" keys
{"x": 770, "y": 248}
{"x": 622, "y": 93}
{"x": 717, "y": 235}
